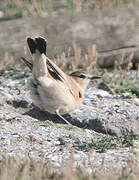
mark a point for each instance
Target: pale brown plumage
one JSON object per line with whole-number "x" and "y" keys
{"x": 51, "y": 89}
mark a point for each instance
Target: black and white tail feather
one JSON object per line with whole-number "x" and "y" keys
{"x": 39, "y": 44}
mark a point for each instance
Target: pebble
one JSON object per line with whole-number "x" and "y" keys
{"x": 1, "y": 14}
{"x": 57, "y": 143}
{"x": 78, "y": 156}
{"x": 1, "y": 158}
{"x": 100, "y": 93}
{"x": 103, "y": 94}
{"x": 8, "y": 97}
{"x": 90, "y": 171}
{"x": 136, "y": 101}
{"x": 126, "y": 96}
{"x": 19, "y": 76}
{"x": 16, "y": 136}
{"x": 55, "y": 158}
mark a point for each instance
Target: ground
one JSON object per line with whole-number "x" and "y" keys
{"x": 104, "y": 134}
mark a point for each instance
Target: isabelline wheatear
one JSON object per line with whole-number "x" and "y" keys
{"x": 51, "y": 89}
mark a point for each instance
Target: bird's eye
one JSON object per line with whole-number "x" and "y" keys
{"x": 82, "y": 76}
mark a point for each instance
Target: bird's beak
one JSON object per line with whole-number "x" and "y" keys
{"x": 93, "y": 77}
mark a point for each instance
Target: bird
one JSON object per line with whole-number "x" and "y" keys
{"x": 51, "y": 89}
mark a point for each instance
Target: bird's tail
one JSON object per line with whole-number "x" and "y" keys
{"x": 38, "y": 43}
{"x": 37, "y": 48}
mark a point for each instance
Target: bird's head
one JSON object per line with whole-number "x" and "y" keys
{"x": 82, "y": 79}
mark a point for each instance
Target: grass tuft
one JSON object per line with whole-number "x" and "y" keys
{"x": 103, "y": 143}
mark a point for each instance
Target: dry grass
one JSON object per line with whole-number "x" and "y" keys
{"x": 114, "y": 3}
{"x": 29, "y": 169}
{"x": 20, "y": 8}
{"x": 74, "y": 59}
{"x": 124, "y": 63}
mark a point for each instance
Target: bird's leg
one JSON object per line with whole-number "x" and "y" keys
{"x": 57, "y": 112}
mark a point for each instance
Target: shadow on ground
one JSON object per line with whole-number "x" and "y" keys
{"x": 94, "y": 124}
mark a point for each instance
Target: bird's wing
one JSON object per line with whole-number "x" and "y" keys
{"x": 52, "y": 70}
{"x": 28, "y": 63}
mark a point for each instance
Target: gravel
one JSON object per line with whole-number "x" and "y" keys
{"x": 25, "y": 129}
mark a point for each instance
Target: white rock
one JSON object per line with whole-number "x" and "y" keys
{"x": 126, "y": 95}
{"x": 77, "y": 157}
{"x": 136, "y": 101}
{"x": 102, "y": 93}
{"x": 1, "y": 14}
{"x": 57, "y": 143}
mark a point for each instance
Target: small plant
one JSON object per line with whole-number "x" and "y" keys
{"x": 12, "y": 68}
{"x": 125, "y": 86}
{"x": 106, "y": 142}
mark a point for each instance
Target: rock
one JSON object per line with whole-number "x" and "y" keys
{"x": 1, "y": 14}
{"x": 103, "y": 94}
{"x": 6, "y": 98}
{"x": 78, "y": 156}
{"x": 126, "y": 95}
{"x": 1, "y": 158}
{"x": 136, "y": 101}
{"x": 109, "y": 115}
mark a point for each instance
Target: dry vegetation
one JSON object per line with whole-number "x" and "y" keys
{"x": 21, "y": 8}
{"x": 29, "y": 169}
